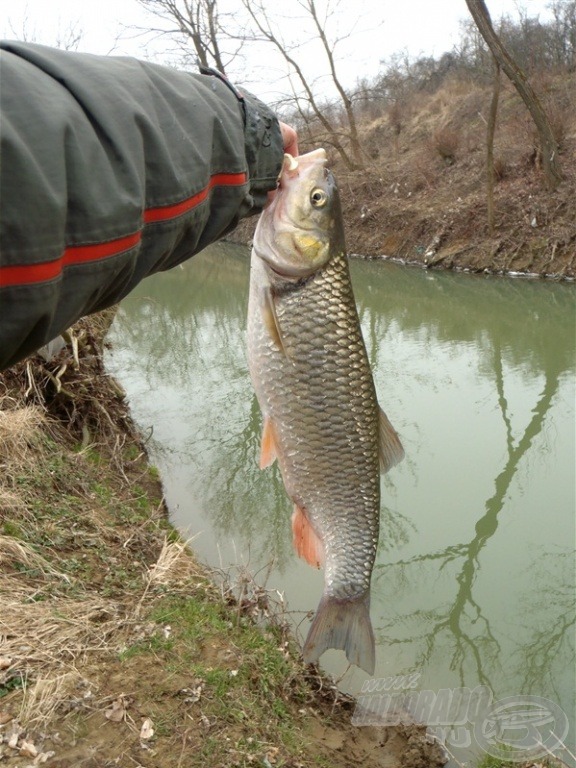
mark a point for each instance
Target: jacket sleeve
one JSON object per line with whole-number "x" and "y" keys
{"x": 113, "y": 169}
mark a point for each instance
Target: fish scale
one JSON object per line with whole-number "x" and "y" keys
{"x": 312, "y": 376}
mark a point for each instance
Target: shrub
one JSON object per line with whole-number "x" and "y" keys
{"x": 445, "y": 141}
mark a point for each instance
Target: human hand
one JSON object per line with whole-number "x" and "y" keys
{"x": 289, "y": 139}
{"x": 290, "y": 144}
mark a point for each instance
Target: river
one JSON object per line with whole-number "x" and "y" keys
{"x": 474, "y": 580}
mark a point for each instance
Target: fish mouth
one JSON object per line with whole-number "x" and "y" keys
{"x": 292, "y": 167}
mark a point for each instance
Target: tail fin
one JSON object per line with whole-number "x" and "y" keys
{"x": 344, "y": 624}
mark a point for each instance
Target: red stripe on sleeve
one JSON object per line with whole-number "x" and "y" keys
{"x": 171, "y": 211}
{"x": 28, "y": 274}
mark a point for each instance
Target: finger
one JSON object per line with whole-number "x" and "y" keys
{"x": 289, "y": 139}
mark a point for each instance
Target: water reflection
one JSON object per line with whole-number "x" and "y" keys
{"x": 481, "y": 649}
{"x": 475, "y": 574}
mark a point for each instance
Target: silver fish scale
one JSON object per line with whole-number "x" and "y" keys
{"x": 320, "y": 396}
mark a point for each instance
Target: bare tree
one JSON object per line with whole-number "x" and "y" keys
{"x": 564, "y": 33}
{"x": 201, "y": 26}
{"x": 548, "y": 144}
{"x": 198, "y": 22}
{"x": 343, "y": 138}
{"x": 67, "y": 39}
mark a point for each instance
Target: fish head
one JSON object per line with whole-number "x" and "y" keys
{"x": 295, "y": 231}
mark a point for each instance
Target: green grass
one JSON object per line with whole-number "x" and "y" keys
{"x": 246, "y": 680}
{"x": 488, "y": 761}
{"x": 101, "y": 524}
{"x": 13, "y": 683}
{"x": 12, "y": 529}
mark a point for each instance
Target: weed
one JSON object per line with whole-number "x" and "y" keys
{"x": 154, "y": 472}
{"x": 13, "y": 681}
{"x": 501, "y": 168}
{"x": 488, "y": 761}
{"x": 155, "y": 644}
{"x": 12, "y": 529}
{"x": 103, "y": 493}
{"x": 445, "y": 142}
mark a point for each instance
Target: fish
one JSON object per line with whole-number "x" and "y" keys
{"x": 321, "y": 419}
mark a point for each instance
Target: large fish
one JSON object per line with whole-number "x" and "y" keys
{"x": 322, "y": 421}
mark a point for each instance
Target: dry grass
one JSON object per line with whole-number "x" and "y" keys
{"x": 55, "y": 532}
{"x": 174, "y": 568}
{"x": 52, "y": 634}
{"x": 45, "y": 696}
{"x": 20, "y": 437}
{"x": 17, "y": 553}
{"x": 445, "y": 141}
{"x": 47, "y": 638}
{"x": 43, "y": 630}
{"x": 12, "y": 505}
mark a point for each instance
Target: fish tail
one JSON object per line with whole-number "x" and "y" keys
{"x": 344, "y": 624}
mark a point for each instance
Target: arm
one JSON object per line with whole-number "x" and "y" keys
{"x": 113, "y": 169}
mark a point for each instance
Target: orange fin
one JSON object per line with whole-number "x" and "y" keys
{"x": 344, "y": 624}
{"x": 389, "y": 445}
{"x": 306, "y": 541}
{"x": 268, "y": 451}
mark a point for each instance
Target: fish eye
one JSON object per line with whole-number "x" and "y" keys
{"x": 318, "y": 197}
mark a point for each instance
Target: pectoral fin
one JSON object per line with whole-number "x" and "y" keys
{"x": 305, "y": 539}
{"x": 389, "y": 445}
{"x": 268, "y": 451}
{"x": 271, "y": 320}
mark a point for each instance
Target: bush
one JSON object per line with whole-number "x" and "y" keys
{"x": 445, "y": 141}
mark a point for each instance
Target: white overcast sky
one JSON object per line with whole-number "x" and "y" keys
{"x": 381, "y": 28}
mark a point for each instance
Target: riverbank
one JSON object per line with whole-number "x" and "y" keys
{"x": 117, "y": 647}
{"x": 421, "y": 199}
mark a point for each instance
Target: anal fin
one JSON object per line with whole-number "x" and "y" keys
{"x": 390, "y": 448}
{"x": 306, "y": 541}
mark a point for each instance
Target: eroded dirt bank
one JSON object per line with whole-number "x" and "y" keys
{"x": 421, "y": 197}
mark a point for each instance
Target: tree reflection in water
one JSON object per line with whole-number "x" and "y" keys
{"x": 182, "y": 339}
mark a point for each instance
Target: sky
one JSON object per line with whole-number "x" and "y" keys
{"x": 379, "y": 29}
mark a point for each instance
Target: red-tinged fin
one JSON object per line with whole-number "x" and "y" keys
{"x": 306, "y": 541}
{"x": 343, "y": 624}
{"x": 268, "y": 451}
{"x": 389, "y": 446}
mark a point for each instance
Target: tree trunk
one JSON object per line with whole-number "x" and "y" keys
{"x": 490, "y": 147}
{"x": 550, "y": 161}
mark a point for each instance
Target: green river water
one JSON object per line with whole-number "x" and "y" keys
{"x": 474, "y": 580}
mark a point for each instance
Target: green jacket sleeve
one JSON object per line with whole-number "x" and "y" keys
{"x": 113, "y": 169}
